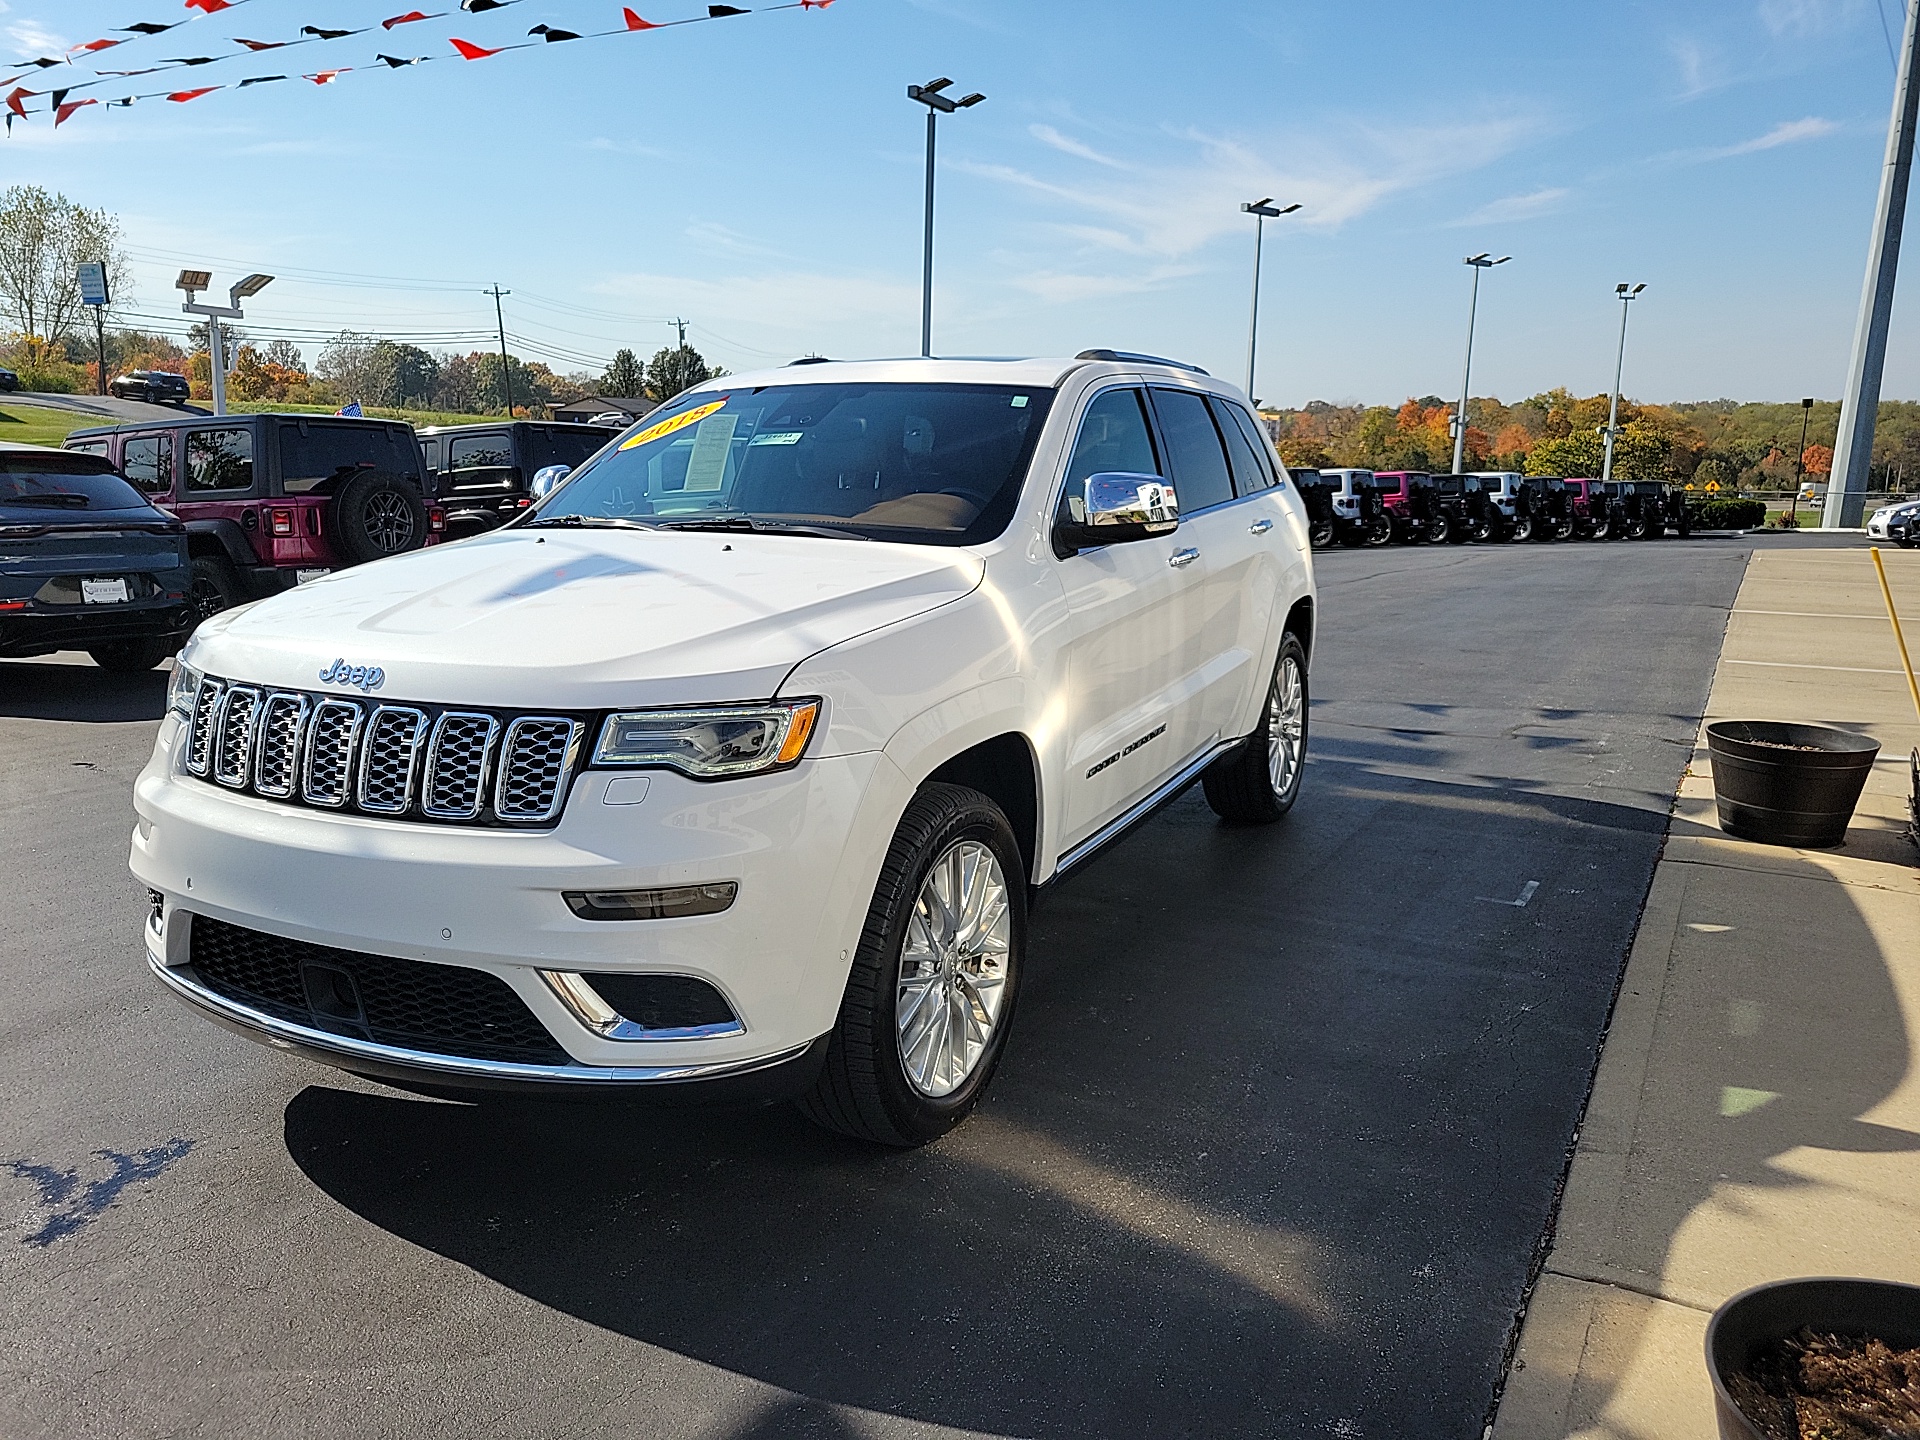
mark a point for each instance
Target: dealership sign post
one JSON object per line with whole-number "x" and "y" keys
{"x": 93, "y": 291}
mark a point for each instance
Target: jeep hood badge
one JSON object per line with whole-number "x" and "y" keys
{"x": 367, "y": 677}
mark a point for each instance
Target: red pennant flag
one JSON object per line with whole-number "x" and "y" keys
{"x": 815, "y": 4}
{"x": 634, "y": 22}
{"x": 407, "y": 19}
{"x": 61, "y": 115}
{"x": 209, "y": 7}
{"x": 13, "y": 101}
{"x": 182, "y": 96}
{"x": 257, "y": 45}
{"x": 470, "y": 51}
{"x": 92, "y": 45}
{"x": 326, "y": 77}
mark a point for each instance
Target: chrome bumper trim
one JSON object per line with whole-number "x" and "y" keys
{"x": 285, "y": 1035}
{"x": 1121, "y": 824}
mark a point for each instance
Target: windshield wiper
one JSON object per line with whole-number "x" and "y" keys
{"x": 760, "y": 527}
{"x": 592, "y": 522}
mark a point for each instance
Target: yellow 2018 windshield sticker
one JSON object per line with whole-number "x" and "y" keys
{"x": 673, "y": 423}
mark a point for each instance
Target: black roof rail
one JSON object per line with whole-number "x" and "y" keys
{"x": 1136, "y": 358}
{"x": 811, "y": 360}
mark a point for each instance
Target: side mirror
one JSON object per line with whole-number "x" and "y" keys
{"x": 1119, "y": 507}
{"x": 545, "y": 481}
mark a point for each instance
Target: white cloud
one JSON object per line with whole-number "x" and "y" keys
{"x": 1067, "y": 145}
{"x": 1806, "y": 17}
{"x": 1787, "y": 132}
{"x": 30, "y": 40}
{"x": 1516, "y": 207}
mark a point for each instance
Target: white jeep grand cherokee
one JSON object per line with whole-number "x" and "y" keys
{"x": 737, "y": 759}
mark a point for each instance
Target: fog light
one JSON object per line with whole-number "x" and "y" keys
{"x": 673, "y": 903}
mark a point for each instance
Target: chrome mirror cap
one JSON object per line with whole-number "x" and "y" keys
{"x": 1141, "y": 502}
{"x": 545, "y": 480}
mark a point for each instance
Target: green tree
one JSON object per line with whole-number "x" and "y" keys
{"x": 44, "y": 238}
{"x": 626, "y": 377}
{"x": 671, "y": 371}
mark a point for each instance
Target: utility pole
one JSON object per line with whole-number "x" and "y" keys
{"x": 506, "y": 370}
{"x": 1628, "y": 294}
{"x": 1483, "y": 261}
{"x": 680, "y": 326}
{"x": 1262, "y": 211}
{"x": 937, "y": 105}
{"x": 1860, "y": 404}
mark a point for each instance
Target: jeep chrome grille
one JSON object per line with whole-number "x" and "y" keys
{"x": 392, "y": 761}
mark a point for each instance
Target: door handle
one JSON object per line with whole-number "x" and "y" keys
{"x": 1183, "y": 557}
{"x": 1260, "y": 527}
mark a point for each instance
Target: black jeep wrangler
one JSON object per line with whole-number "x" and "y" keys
{"x": 481, "y": 474}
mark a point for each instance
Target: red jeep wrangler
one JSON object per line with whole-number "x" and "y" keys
{"x": 271, "y": 500}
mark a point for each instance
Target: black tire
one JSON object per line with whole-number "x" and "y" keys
{"x": 864, "y": 1090}
{"x": 1439, "y": 529}
{"x": 1240, "y": 785}
{"x": 1380, "y": 532}
{"x": 376, "y": 515}
{"x": 1522, "y": 529}
{"x": 214, "y": 587}
{"x": 1320, "y": 534}
{"x": 131, "y": 657}
{"x": 1635, "y": 529}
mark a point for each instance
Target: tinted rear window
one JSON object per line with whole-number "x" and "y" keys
{"x": 69, "y": 481}
{"x": 325, "y": 452}
{"x": 561, "y": 447}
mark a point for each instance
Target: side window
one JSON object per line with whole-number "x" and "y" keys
{"x": 480, "y": 452}
{"x": 148, "y": 462}
{"x": 1251, "y": 473}
{"x": 89, "y": 447}
{"x": 1200, "y": 476}
{"x": 219, "y": 460}
{"x": 430, "y": 452}
{"x": 1114, "y": 436}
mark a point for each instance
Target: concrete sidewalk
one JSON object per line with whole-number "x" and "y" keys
{"x": 1757, "y": 1109}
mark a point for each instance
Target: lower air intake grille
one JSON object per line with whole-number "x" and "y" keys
{"x": 410, "y": 1004}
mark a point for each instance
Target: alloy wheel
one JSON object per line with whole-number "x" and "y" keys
{"x": 389, "y": 522}
{"x": 206, "y": 598}
{"x": 953, "y": 968}
{"x": 1286, "y": 726}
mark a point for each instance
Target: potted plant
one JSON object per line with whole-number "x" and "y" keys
{"x": 1834, "y": 1358}
{"x": 1785, "y": 784}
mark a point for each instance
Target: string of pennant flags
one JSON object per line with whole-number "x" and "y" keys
{"x": 62, "y": 108}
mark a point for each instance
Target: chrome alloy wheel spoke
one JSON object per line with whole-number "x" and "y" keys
{"x": 1286, "y": 727}
{"x": 953, "y": 968}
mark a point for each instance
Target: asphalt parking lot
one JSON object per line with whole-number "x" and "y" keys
{"x": 1274, "y": 1148}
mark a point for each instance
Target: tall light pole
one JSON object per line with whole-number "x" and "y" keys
{"x": 937, "y": 105}
{"x": 500, "y": 319}
{"x": 1860, "y": 404}
{"x": 1483, "y": 261}
{"x": 1800, "y": 462}
{"x": 193, "y": 282}
{"x": 1262, "y": 211}
{"x": 1628, "y": 294}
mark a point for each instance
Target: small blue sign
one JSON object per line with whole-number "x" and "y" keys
{"x": 93, "y": 283}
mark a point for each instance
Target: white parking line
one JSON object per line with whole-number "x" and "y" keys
{"x": 1787, "y": 665}
{"x": 1810, "y": 614}
{"x": 1526, "y": 894}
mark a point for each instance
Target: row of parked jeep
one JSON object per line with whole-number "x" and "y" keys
{"x": 1366, "y": 507}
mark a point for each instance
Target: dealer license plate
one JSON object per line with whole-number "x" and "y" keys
{"x": 104, "y": 592}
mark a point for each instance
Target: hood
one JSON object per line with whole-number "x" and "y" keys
{"x": 583, "y": 620}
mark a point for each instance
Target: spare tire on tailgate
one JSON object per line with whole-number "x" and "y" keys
{"x": 376, "y": 514}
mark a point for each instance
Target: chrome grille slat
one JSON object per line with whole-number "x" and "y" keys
{"x": 326, "y": 770}
{"x": 458, "y": 755}
{"x": 387, "y": 759}
{"x": 233, "y": 743}
{"x": 206, "y": 707}
{"x": 276, "y": 757}
{"x": 391, "y": 761}
{"x": 535, "y": 760}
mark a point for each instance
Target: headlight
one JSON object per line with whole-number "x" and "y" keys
{"x": 182, "y": 689}
{"x": 712, "y": 741}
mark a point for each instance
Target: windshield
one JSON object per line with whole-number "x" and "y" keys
{"x": 64, "y": 482}
{"x": 930, "y": 464}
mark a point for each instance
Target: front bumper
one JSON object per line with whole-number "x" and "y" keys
{"x": 804, "y": 847}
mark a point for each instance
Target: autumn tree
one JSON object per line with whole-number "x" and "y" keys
{"x": 44, "y": 238}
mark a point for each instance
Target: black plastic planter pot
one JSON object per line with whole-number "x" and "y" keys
{"x": 1754, "y": 1319}
{"x": 1787, "y": 784}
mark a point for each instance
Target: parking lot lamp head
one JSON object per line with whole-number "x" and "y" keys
{"x": 938, "y": 103}
{"x": 1483, "y": 261}
{"x": 1262, "y": 211}
{"x": 250, "y": 287}
{"x": 193, "y": 282}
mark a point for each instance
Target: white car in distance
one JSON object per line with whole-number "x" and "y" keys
{"x": 735, "y": 761}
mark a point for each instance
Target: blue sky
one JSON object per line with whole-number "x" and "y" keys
{"x": 762, "y": 178}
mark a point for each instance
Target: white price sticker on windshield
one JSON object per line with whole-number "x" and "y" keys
{"x": 712, "y": 442}
{"x": 104, "y": 592}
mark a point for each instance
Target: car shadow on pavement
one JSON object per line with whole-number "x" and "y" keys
{"x": 1271, "y": 1152}
{"x": 85, "y": 694}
